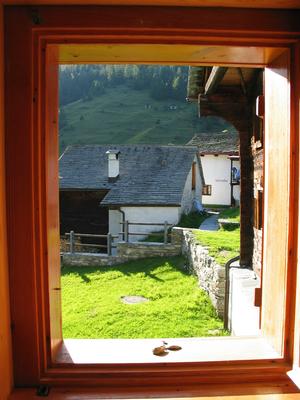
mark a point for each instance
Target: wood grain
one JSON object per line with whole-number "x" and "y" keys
{"x": 294, "y": 287}
{"x": 164, "y": 54}
{"x": 277, "y": 200}
{"x": 52, "y": 198}
{"x": 30, "y": 217}
{"x": 24, "y": 231}
{"x": 212, "y": 392}
{"x": 5, "y": 338}
{"x": 280, "y": 4}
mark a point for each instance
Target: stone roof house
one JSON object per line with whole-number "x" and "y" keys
{"x": 216, "y": 143}
{"x": 138, "y": 183}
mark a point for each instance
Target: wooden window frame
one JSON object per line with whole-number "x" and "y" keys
{"x": 206, "y": 190}
{"x": 38, "y": 38}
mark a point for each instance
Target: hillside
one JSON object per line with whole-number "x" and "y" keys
{"x": 124, "y": 115}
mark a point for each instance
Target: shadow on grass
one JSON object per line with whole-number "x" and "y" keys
{"x": 146, "y": 266}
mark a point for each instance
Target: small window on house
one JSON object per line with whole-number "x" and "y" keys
{"x": 206, "y": 190}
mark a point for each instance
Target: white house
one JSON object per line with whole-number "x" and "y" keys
{"x": 221, "y": 168}
{"x": 146, "y": 184}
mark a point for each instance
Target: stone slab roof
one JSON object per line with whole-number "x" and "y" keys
{"x": 149, "y": 174}
{"x": 216, "y": 143}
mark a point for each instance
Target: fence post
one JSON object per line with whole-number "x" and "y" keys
{"x": 109, "y": 243}
{"x": 126, "y": 231}
{"x": 72, "y": 242}
{"x": 166, "y": 233}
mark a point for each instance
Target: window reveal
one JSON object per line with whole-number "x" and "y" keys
{"x": 206, "y": 190}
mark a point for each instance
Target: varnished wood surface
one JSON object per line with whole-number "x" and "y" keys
{"x": 5, "y": 339}
{"x": 182, "y": 22}
{"x": 52, "y": 196}
{"x": 22, "y": 211}
{"x": 164, "y": 54}
{"x": 296, "y": 123}
{"x": 26, "y": 248}
{"x": 279, "y": 4}
{"x": 209, "y": 393}
{"x": 277, "y": 186}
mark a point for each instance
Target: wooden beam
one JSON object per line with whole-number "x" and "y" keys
{"x": 5, "y": 325}
{"x": 276, "y": 4}
{"x": 215, "y": 77}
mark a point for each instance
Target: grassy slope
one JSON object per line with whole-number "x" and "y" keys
{"x": 178, "y": 308}
{"x": 223, "y": 245}
{"x": 119, "y": 116}
{"x": 231, "y": 214}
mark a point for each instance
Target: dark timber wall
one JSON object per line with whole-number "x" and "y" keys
{"x": 80, "y": 211}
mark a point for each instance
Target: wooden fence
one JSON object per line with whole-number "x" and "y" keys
{"x": 125, "y": 232}
{"x": 110, "y": 238}
{"x": 109, "y": 244}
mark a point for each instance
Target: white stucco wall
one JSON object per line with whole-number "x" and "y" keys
{"x": 190, "y": 195}
{"x": 113, "y": 164}
{"x": 243, "y": 315}
{"x": 142, "y": 214}
{"x": 217, "y": 173}
{"x": 114, "y": 219}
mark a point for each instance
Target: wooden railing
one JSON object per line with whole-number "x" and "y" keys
{"x": 110, "y": 238}
{"x": 125, "y": 232}
{"x": 109, "y": 241}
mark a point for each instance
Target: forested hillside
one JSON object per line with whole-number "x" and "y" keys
{"x": 128, "y": 104}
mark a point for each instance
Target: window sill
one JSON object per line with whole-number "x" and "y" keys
{"x": 227, "y": 393}
{"x": 139, "y": 351}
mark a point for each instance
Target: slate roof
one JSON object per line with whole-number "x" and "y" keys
{"x": 149, "y": 175}
{"x": 219, "y": 143}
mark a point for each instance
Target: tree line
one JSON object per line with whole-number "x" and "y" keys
{"x": 88, "y": 81}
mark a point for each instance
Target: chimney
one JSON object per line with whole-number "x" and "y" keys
{"x": 113, "y": 165}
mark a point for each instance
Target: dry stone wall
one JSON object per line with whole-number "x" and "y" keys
{"x": 125, "y": 252}
{"x": 211, "y": 275}
{"x": 143, "y": 250}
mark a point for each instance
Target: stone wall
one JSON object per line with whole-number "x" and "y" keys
{"x": 125, "y": 252}
{"x": 142, "y": 250}
{"x": 258, "y": 210}
{"x": 90, "y": 259}
{"x": 257, "y": 251}
{"x": 211, "y": 275}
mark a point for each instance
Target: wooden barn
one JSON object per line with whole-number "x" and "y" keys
{"x": 39, "y": 35}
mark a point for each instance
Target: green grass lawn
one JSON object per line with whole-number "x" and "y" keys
{"x": 177, "y": 308}
{"x": 223, "y": 245}
{"x": 231, "y": 214}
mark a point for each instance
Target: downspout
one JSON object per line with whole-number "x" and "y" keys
{"x": 227, "y": 287}
{"x": 123, "y": 214}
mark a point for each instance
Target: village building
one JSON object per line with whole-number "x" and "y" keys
{"x": 221, "y": 167}
{"x": 102, "y": 186}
